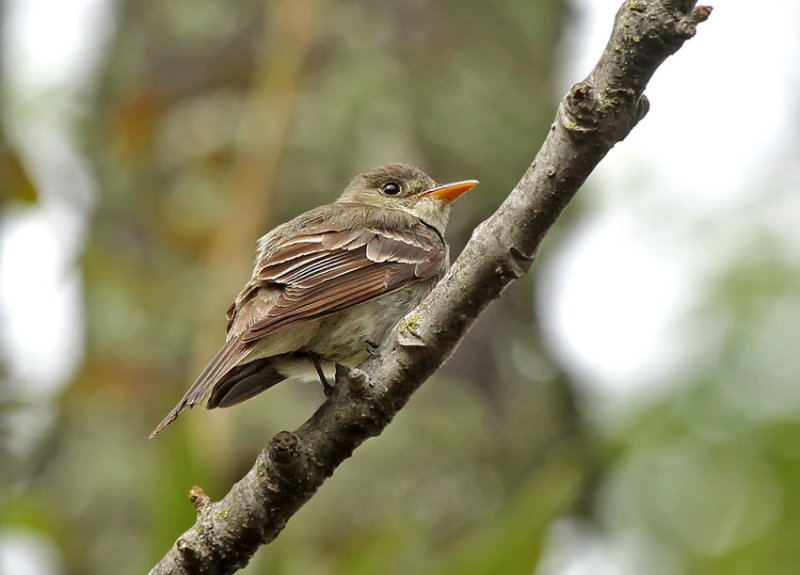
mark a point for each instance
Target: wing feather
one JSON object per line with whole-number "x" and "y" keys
{"x": 358, "y": 265}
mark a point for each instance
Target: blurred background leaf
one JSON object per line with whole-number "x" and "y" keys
{"x": 136, "y": 182}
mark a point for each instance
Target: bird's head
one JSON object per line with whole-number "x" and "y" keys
{"x": 404, "y": 187}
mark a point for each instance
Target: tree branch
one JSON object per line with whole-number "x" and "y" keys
{"x": 596, "y": 113}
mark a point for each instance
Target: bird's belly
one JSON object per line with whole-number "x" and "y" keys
{"x": 345, "y": 337}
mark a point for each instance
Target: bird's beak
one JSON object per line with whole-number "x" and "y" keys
{"x": 449, "y": 192}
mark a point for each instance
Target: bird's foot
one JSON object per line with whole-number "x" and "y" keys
{"x": 327, "y": 388}
{"x": 372, "y": 348}
{"x": 342, "y": 371}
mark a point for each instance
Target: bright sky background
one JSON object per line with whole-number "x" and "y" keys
{"x": 51, "y": 49}
{"x": 723, "y": 113}
{"x": 667, "y": 206}
{"x": 614, "y": 292}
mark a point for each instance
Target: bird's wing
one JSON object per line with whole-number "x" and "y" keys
{"x": 314, "y": 275}
{"x": 324, "y": 273}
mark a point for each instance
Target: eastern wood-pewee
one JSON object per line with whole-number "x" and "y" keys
{"x": 329, "y": 285}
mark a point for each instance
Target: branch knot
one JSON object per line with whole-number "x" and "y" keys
{"x": 199, "y": 498}
{"x": 284, "y": 450}
{"x": 577, "y": 112}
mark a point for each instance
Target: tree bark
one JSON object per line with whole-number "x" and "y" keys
{"x": 596, "y": 114}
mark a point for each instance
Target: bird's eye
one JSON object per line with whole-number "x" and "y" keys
{"x": 391, "y": 189}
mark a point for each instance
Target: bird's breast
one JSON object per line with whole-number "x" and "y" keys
{"x": 344, "y": 337}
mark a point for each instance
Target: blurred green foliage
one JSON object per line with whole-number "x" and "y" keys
{"x": 212, "y": 121}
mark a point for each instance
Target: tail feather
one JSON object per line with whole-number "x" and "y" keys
{"x": 228, "y": 357}
{"x": 243, "y": 382}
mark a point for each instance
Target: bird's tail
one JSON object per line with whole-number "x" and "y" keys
{"x": 243, "y": 382}
{"x": 228, "y": 357}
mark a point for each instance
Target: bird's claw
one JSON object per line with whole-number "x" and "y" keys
{"x": 327, "y": 388}
{"x": 372, "y": 348}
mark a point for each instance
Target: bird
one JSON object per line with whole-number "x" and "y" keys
{"x": 329, "y": 285}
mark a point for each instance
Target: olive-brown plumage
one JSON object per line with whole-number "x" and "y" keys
{"x": 330, "y": 284}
